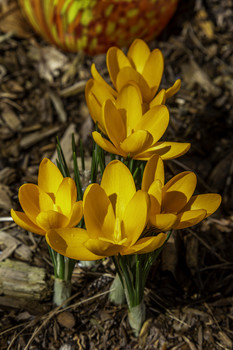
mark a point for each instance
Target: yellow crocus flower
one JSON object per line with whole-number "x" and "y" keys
{"x": 115, "y": 216}
{"x": 132, "y": 133}
{"x": 50, "y": 204}
{"x": 140, "y": 67}
{"x": 173, "y": 205}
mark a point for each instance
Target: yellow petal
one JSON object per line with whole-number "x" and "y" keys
{"x": 155, "y": 121}
{"x": 98, "y": 212}
{"x": 102, "y": 248}
{"x": 66, "y": 196}
{"x": 146, "y": 245}
{"x": 93, "y": 104}
{"x": 51, "y": 219}
{"x": 145, "y": 107}
{"x": 137, "y": 142}
{"x": 49, "y": 177}
{"x": 45, "y": 201}
{"x": 135, "y": 217}
{"x": 116, "y": 60}
{"x": 173, "y": 89}
{"x": 106, "y": 145}
{"x": 23, "y": 221}
{"x": 210, "y": 202}
{"x": 189, "y": 218}
{"x": 138, "y": 54}
{"x": 155, "y": 192}
{"x": 178, "y": 191}
{"x": 129, "y": 101}
{"x": 154, "y": 170}
{"x": 114, "y": 123}
{"x": 99, "y": 79}
{"x": 96, "y": 94}
{"x": 70, "y": 242}
{"x": 127, "y": 75}
{"x": 118, "y": 184}
{"x": 159, "y": 99}
{"x": 153, "y": 70}
{"x": 163, "y": 222}
{"x": 76, "y": 214}
{"x": 29, "y": 200}
{"x": 166, "y": 150}
{"x": 171, "y": 150}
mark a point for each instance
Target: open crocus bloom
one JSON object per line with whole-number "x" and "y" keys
{"x": 50, "y": 204}
{"x": 140, "y": 67}
{"x": 115, "y": 216}
{"x": 173, "y": 205}
{"x": 132, "y": 133}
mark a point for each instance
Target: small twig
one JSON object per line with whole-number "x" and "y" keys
{"x": 75, "y": 89}
{"x": 212, "y": 316}
{"x": 169, "y": 312}
{"x": 207, "y": 246}
{"x": 15, "y": 327}
{"x": 27, "y": 324}
{"x": 59, "y": 309}
{"x": 85, "y": 300}
{"x": 217, "y": 266}
{"x": 8, "y": 227}
{"x": 6, "y": 218}
{"x": 190, "y": 344}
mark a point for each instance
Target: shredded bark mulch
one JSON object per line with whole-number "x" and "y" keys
{"x": 189, "y": 294}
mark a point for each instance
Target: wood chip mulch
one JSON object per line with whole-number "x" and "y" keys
{"x": 189, "y": 294}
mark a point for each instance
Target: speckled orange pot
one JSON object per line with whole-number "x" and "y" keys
{"x": 94, "y": 25}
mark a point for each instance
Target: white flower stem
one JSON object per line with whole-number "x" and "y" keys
{"x": 61, "y": 291}
{"x": 117, "y": 294}
{"x": 63, "y": 268}
{"x": 137, "y": 316}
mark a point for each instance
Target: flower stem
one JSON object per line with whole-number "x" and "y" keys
{"x": 137, "y": 316}
{"x": 132, "y": 272}
{"x": 129, "y": 273}
{"x": 61, "y": 291}
{"x": 63, "y": 268}
{"x": 117, "y": 294}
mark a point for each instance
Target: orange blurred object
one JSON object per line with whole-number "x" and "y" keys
{"x": 93, "y": 26}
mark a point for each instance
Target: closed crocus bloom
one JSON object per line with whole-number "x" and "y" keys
{"x": 132, "y": 133}
{"x": 173, "y": 205}
{"x": 115, "y": 216}
{"x": 141, "y": 67}
{"x": 50, "y": 204}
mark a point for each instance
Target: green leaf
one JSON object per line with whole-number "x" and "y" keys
{"x": 61, "y": 160}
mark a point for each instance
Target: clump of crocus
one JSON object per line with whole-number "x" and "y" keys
{"x": 133, "y": 115}
{"x": 130, "y": 226}
{"x": 115, "y": 216}
{"x": 133, "y": 133}
{"x": 173, "y": 205}
{"x": 51, "y": 204}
